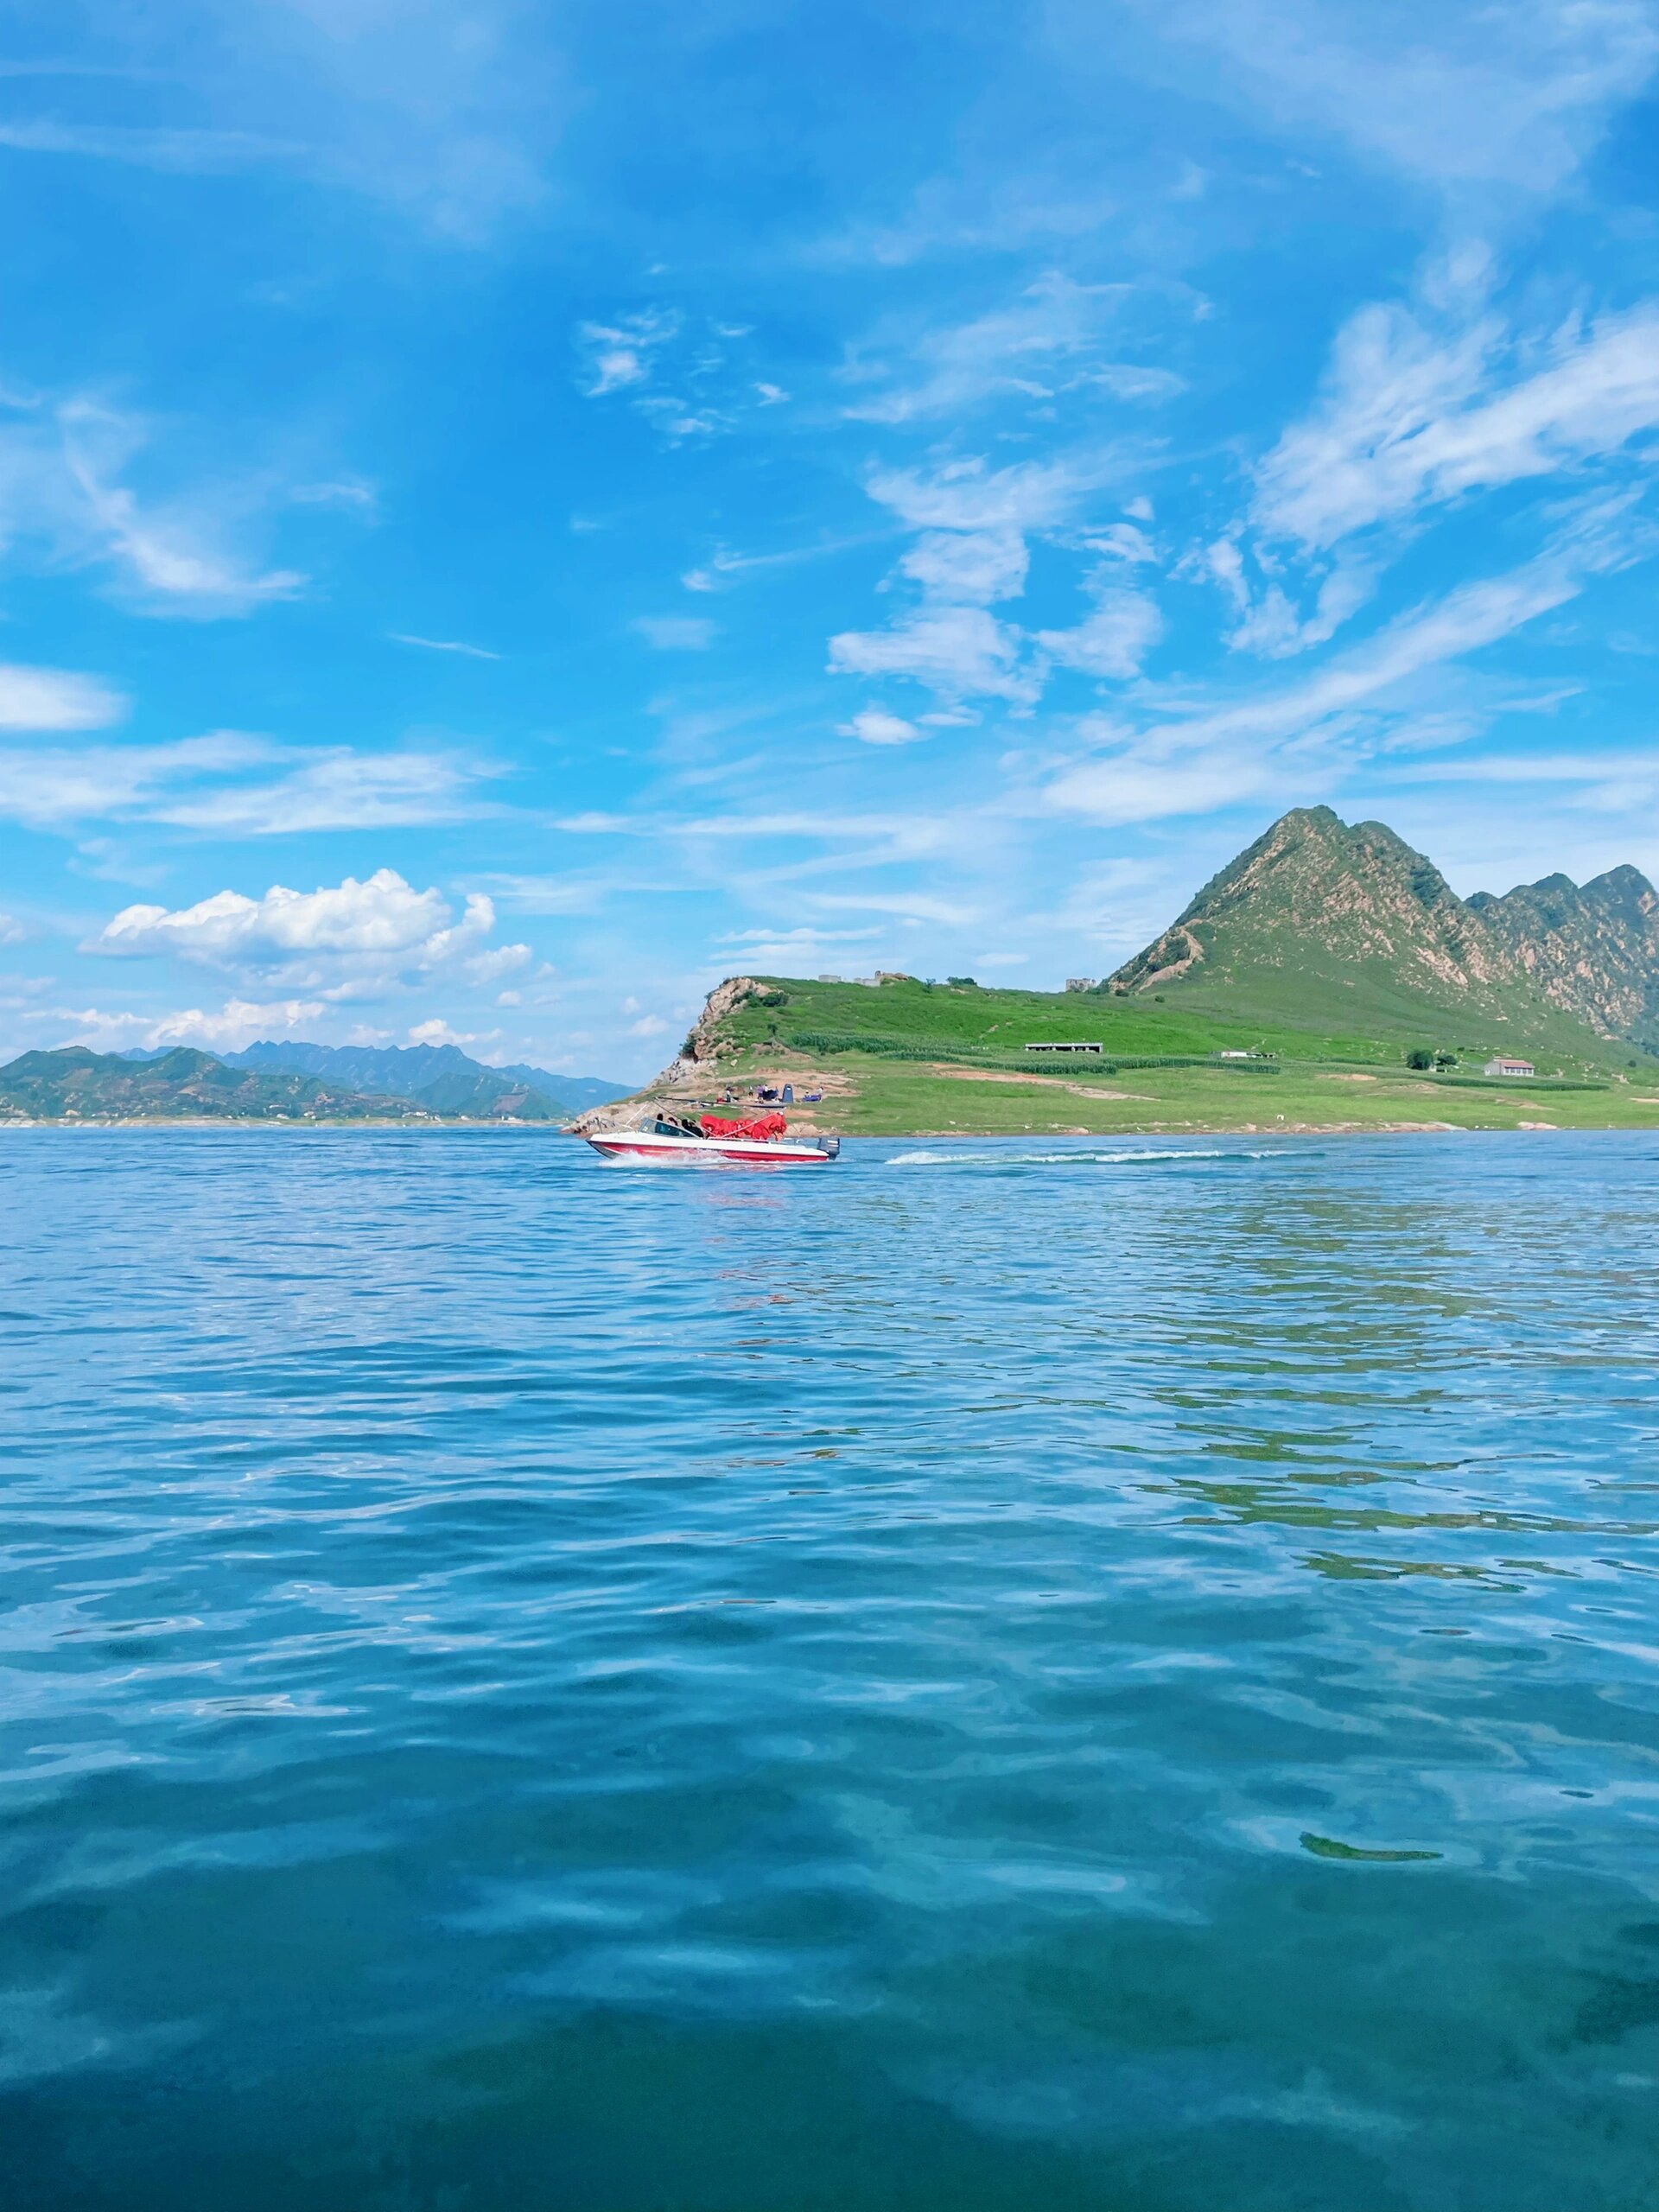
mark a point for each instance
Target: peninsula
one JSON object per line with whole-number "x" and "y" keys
{"x": 1327, "y": 979}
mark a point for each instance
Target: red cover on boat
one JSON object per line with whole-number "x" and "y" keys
{"x": 763, "y": 1125}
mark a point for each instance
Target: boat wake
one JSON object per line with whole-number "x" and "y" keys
{"x": 1076, "y": 1157}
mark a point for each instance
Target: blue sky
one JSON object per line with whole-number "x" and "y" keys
{"x": 510, "y": 513}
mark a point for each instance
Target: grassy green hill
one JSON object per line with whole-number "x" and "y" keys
{"x": 997, "y": 1026}
{"x": 1330, "y": 955}
{"x": 910, "y": 1058}
{"x": 1319, "y": 924}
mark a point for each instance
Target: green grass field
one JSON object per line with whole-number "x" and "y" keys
{"x": 904, "y": 1059}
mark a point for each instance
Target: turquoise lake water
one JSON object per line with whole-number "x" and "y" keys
{"x": 1057, "y": 1675}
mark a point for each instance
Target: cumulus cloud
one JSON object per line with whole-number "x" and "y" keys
{"x": 339, "y": 939}
{"x": 383, "y": 914}
{"x": 238, "y": 1022}
{"x": 438, "y": 1032}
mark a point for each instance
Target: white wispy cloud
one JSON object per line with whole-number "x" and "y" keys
{"x": 337, "y": 789}
{"x": 615, "y": 356}
{"x": 1292, "y": 738}
{"x": 1413, "y": 416}
{"x": 958, "y": 651}
{"x": 968, "y": 495}
{"x": 875, "y": 726}
{"x": 1460, "y": 97}
{"x": 1268, "y": 621}
{"x": 1046, "y": 342}
{"x": 904, "y": 905}
{"x": 447, "y": 115}
{"x": 443, "y": 646}
{"x": 223, "y": 783}
{"x": 46, "y": 787}
{"x": 191, "y": 551}
{"x": 1114, "y": 637}
{"x": 969, "y": 567}
{"x": 55, "y": 699}
{"x": 804, "y": 939}
{"x": 180, "y": 152}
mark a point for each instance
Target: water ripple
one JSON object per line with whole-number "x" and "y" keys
{"x": 1100, "y": 1676}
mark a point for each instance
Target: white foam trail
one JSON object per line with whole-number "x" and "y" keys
{"x": 1064, "y": 1159}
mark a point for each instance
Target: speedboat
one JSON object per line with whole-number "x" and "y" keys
{"x": 765, "y": 1141}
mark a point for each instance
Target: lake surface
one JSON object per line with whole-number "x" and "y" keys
{"x": 1024, "y": 1674}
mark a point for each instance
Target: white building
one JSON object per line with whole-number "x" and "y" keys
{"x": 1502, "y": 1066}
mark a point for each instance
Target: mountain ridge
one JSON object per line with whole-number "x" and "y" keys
{"x": 410, "y": 1070}
{"x": 74, "y": 1082}
{"x": 1319, "y": 912}
{"x": 1592, "y": 948}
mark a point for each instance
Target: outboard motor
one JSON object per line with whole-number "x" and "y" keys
{"x": 830, "y": 1146}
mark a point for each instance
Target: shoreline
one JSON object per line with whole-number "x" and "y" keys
{"x": 200, "y": 1124}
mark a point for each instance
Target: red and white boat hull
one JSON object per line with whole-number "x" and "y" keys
{"x": 646, "y": 1148}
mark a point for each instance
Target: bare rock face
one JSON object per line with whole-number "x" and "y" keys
{"x": 1356, "y": 894}
{"x": 695, "y": 1063}
{"x": 1594, "y": 950}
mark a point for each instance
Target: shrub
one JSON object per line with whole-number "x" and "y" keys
{"x": 1419, "y": 1056}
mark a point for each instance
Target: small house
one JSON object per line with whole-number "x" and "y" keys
{"x": 1064, "y": 1045}
{"x": 1502, "y": 1066}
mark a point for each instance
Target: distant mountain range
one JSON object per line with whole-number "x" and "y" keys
{"x": 440, "y": 1078}
{"x": 286, "y": 1082}
{"x": 1320, "y": 922}
{"x": 77, "y": 1085}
